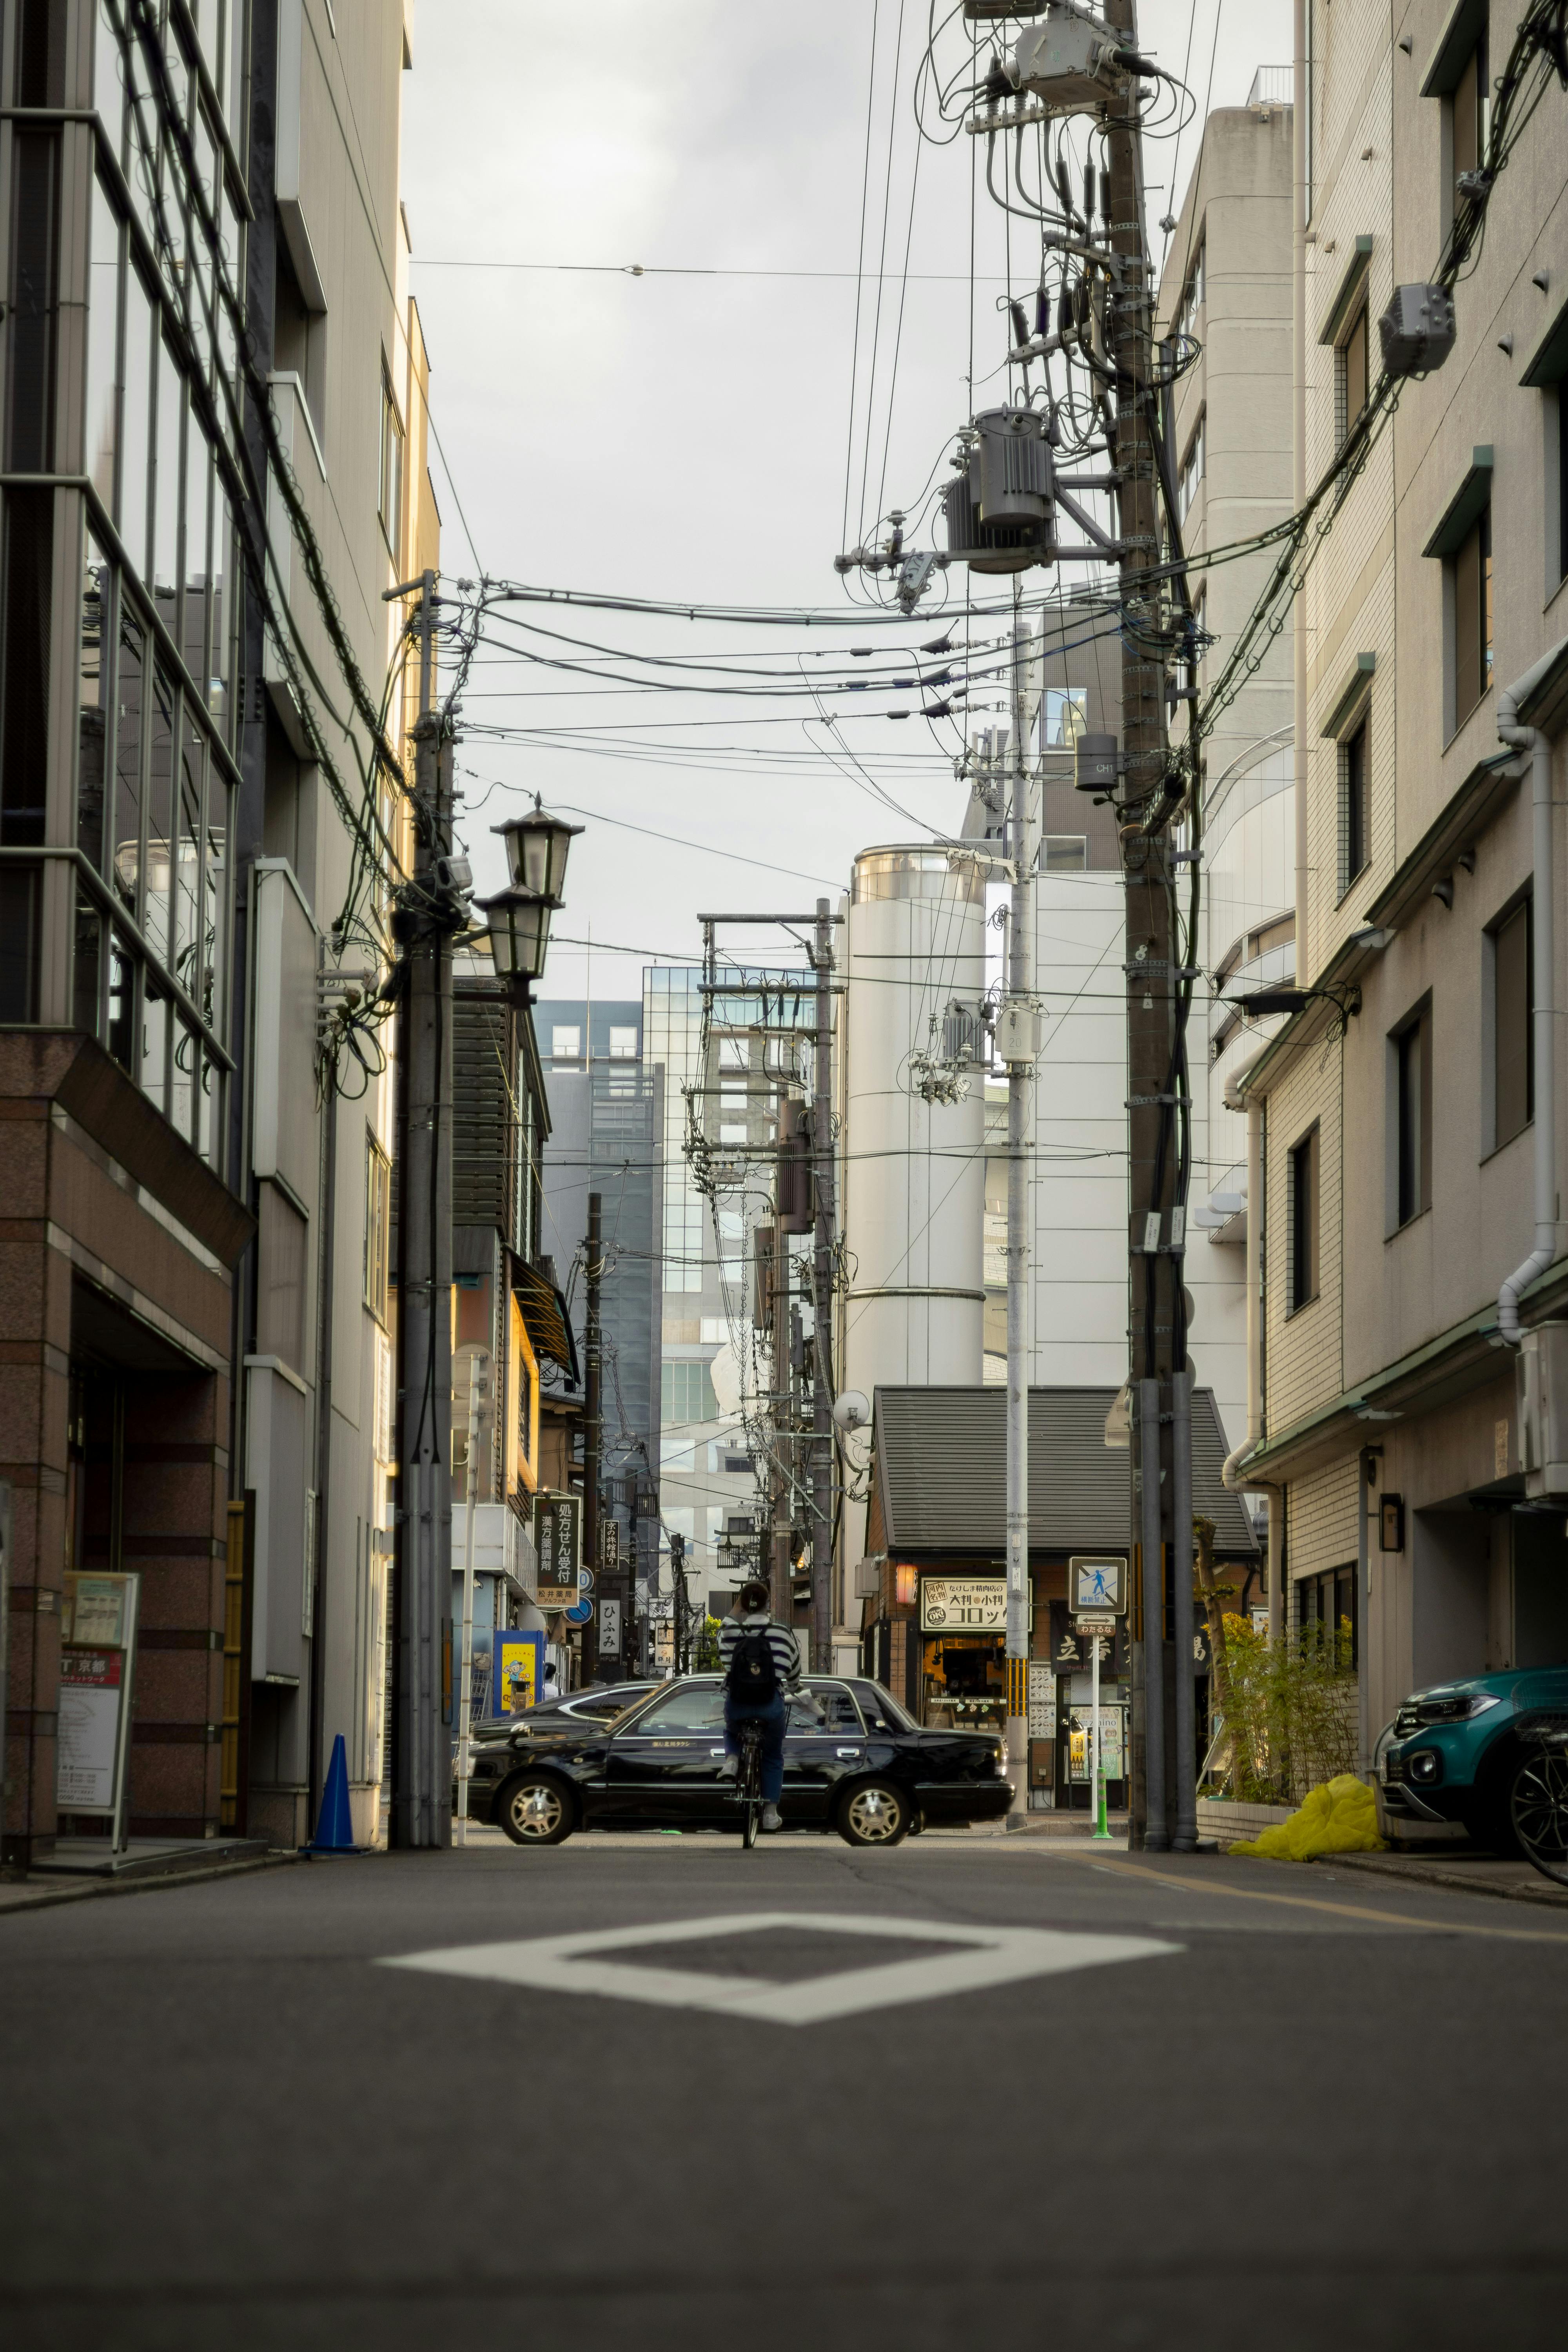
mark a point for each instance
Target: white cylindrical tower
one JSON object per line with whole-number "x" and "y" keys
{"x": 914, "y": 1118}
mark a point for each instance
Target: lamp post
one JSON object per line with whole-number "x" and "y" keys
{"x": 519, "y": 926}
{"x": 537, "y": 847}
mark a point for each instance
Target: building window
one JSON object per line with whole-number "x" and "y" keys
{"x": 1326, "y": 1609}
{"x": 1513, "y": 1002}
{"x": 1192, "y": 471}
{"x": 1066, "y": 853}
{"x": 1192, "y": 301}
{"x": 686, "y": 1395}
{"x": 1355, "y": 830}
{"x": 391, "y": 496}
{"x": 567, "y": 1044}
{"x": 1304, "y": 1168}
{"x": 1065, "y": 715}
{"x": 1562, "y": 431}
{"x": 623, "y": 1045}
{"x": 377, "y": 1226}
{"x": 1411, "y": 1054}
{"x": 1471, "y": 107}
{"x": 1471, "y": 568}
{"x": 1351, "y": 372}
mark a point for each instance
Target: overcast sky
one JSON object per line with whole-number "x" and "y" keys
{"x": 685, "y": 435}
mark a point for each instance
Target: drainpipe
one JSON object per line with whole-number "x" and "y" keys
{"x": 1539, "y": 746}
{"x": 1235, "y": 1477}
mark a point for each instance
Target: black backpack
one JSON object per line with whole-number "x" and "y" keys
{"x": 752, "y": 1678}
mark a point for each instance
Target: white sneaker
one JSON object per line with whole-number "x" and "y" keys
{"x": 770, "y": 1820}
{"x": 729, "y": 1767}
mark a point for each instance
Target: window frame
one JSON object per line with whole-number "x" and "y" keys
{"x": 376, "y": 1265}
{"x": 1409, "y": 1123}
{"x": 1304, "y": 1221}
{"x": 1457, "y": 570}
{"x": 1522, "y": 906}
{"x": 393, "y": 444}
{"x": 1357, "y": 325}
{"x": 1354, "y": 791}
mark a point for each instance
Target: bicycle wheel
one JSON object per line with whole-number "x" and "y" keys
{"x": 1538, "y": 1807}
{"x": 750, "y": 1778}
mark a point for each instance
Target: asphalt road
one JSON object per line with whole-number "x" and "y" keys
{"x": 1324, "y": 2111}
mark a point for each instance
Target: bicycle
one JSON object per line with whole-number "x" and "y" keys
{"x": 749, "y": 1781}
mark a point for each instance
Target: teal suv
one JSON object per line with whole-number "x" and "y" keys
{"x": 1490, "y": 1752}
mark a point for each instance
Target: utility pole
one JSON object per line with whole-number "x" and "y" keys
{"x": 1155, "y": 1072}
{"x": 421, "y": 1784}
{"x": 478, "y": 1377}
{"x": 593, "y": 1424}
{"x": 824, "y": 1211}
{"x": 781, "y": 1513}
{"x": 1019, "y": 1044}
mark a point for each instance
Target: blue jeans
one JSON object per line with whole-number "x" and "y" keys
{"x": 772, "y": 1718}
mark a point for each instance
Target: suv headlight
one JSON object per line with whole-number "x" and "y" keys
{"x": 1453, "y": 1707}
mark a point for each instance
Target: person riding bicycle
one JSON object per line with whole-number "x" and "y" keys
{"x": 761, "y": 1674}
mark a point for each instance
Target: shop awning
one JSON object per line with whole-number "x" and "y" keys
{"x": 545, "y": 1313}
{"x": 942, "y": 1460}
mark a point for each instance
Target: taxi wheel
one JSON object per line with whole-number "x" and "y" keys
{"x": 535, "y": 1810}
{"x": 875, "y": 1813}
{"x": 1538, "y": 1805}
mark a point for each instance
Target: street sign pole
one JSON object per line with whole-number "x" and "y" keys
{"x": 1101, "y": 1834}
{"x": 478, "y": 1369}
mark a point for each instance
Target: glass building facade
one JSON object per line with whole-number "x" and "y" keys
{"x": 123, "y": 416}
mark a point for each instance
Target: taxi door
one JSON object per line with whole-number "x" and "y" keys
{"x": 825, "y": 1744}
{"x": 664, "y": 1766}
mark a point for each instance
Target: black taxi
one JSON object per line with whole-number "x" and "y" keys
{"x": 854, "y": 1762}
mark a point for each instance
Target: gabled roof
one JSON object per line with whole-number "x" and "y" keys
{"x": 942, "y": 1460}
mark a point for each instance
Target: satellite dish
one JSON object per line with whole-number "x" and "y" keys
{"x": 851, "y": 1412}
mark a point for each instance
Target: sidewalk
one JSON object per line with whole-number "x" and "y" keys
{"x": 1462, "y": 1866}
{"x": 39, "y": 1892}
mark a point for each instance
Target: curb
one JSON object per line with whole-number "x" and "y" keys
{"x": 31, "y": 1896}
{"x": 1378, "y": 1866}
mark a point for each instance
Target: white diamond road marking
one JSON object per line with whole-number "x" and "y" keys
{"x": 990, "y": 1956}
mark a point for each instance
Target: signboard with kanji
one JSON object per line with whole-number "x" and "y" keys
{"x": 558, "y": 1540}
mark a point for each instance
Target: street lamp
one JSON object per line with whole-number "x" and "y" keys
{"x": 519, "y": 926}
{"x": 537, "y": 847}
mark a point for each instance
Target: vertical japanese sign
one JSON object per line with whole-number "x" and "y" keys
{"x": 558, "y": 1540}
{"x": 97, "y": 1625}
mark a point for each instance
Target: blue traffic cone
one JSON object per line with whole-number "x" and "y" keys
{"x": 334, "y": 1825}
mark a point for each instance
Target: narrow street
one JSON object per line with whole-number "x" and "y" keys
{"x": 1323, "y": 2109}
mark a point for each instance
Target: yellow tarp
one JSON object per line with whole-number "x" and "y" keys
{"x": 1340, "y": 1817}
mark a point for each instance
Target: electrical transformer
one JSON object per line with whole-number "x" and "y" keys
{"x": 1073, "y": 60}
{"x": 1094, "y": 764}
{"x": 1001, "y": 509}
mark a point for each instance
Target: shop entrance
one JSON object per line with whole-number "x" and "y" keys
{"x": 964, "y": 1682}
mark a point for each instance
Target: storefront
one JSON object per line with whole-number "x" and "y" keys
{"x": 932, "y": 1586}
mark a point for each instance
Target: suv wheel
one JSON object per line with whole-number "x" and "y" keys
{"x": 1538, "y": 1809}
{"x": 535, "y": 1810}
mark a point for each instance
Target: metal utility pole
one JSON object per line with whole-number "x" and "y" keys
{"x": 824, "y": 1209}
{"x": 1160, "y": 1766}
{"x": 593, "y": 1425}
{"x": 1018, "y": 1043}
{"x": 422, "y": 1781}
{"x": 781, "y": 1498}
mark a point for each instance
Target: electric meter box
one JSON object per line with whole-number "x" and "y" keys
{"x": 1543, "y": 1378}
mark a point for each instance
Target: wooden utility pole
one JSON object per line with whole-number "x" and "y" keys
{"x": 1156, "y": 1323}
{"x": 824, "y": 1212}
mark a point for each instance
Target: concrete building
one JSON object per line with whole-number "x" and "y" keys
{"x": 1225, "y": 309}
{"x": 607, "y": 1136}
{"x": 1406, "y": 1171}
{"x": 212, "y": 363}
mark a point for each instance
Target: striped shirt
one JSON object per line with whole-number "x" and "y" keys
{"x": 781, "y": 1642}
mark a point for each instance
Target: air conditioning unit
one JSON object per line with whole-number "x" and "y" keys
{"x": 1542, "y": 1377}
{"x": 1073, "y": 60}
